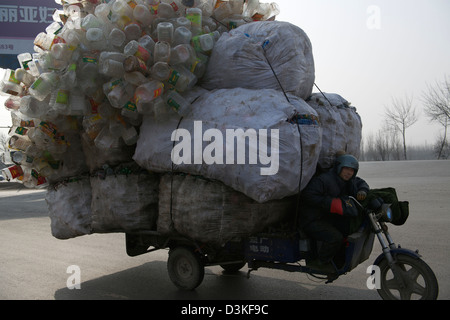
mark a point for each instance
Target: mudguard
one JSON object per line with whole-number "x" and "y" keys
{"x": 394, "y": 252}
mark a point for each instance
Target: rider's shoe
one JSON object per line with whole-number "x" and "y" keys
{"x": 323, "y": 267}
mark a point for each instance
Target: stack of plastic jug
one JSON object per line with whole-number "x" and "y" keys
{"x": 102, "y": 65}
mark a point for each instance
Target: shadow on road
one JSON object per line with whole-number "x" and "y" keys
{"x": 150, "y": 281}
{"x": 18, "y": 202}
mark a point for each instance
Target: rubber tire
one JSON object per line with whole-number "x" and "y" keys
{"x": 417, "y": 269}
{"x": 185, "y": 268}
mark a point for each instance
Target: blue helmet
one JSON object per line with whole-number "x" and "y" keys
{"x": 348, "y": 161}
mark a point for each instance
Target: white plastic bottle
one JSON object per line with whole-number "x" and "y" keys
{"x": 162, "y": 52}
{"x": 142, "y": 14}
{"x": 146, "y": 93}
{"x": 32, "y": 107}
{"x": 10, "y": 84}
{"x": 165, "y": 32}
{"x": 42, "y": 87}
{"x": 133, "y": 48}
{"x": 24, "y": 76}
{"x": 117, "y": 37}
{"x": 182, "y": 35}
{"x": 96, "y": 39}
{"x": 195, "y": 16}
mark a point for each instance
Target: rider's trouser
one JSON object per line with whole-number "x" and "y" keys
{"x": 331, "y": 233}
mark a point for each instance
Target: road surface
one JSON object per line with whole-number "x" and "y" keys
{"x": 36, "y": 266}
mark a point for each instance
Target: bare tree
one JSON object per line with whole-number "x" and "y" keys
{"x": 437, "y": 108}
{"x": 401, "y": 116}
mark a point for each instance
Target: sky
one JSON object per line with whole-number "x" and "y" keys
{"x": 371, "y": 51}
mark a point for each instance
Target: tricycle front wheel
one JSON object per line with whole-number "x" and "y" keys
{"x": 419, "y": 280}
{"x": 185, "y": 268}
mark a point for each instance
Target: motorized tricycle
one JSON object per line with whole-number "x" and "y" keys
{"x": 398, "y": 273}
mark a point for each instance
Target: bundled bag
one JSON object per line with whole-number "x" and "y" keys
{"x": 341, "y": 124}
{"x": 208, "y": 211}
{"x": 400, "y": 209}
{"x": 249, "y": 55}
{"x": 220, "y": 125}
{"x": 69, "y": 206}
{"x": 124, "y": 200}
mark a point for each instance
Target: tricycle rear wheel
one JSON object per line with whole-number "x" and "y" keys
{"x": 185, "y": 268}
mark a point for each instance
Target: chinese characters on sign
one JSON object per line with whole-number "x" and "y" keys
{"x": 26, "y": 14}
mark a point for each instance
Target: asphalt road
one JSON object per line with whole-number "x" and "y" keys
{"x": 36, "y": 266}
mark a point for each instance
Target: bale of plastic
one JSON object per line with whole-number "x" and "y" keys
{"x": 257, "y": 55}
{"x": 341, "y": 124}
{"x": 124, "y": 200}
{"x": 240, "y": 137}
{"x": 210, "y": 212}
{"x": 69, "y": 206}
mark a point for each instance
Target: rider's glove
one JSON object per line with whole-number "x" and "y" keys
{"x": 344, "y": 207}
{"x": 361, "y": 195}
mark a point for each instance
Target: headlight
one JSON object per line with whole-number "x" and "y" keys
{"x": 386, "y": 213}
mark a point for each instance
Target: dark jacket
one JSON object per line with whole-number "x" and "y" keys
{"x": 317, "y": 196}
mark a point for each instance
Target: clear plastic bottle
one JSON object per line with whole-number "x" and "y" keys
{"x": 142, "y": 14}
{"x": 204, "y": 42}
{"x": 77, "y": 103}
{"x": 166, "y": 11}
{"x": 133, "y": 31}
{"x": 32, "y": 107}
{"x": 162, "y": 52}
{"x": 165, "y": 32}
{"x": 146, "y": 93}
{"x": 177, "y": 102}
{"x": 42, "y": 87}
{"x": 130, "y": 135}
{"x": 61, "y": 104}
{"x": 135, "y": 78}
{"x": 180, "y": 54}
{"x": 117, "y": 37}
{"x": 69, "y": 77}
{"x": 90, "y": 21}
{"x": 133, "y": 48}
{"x": 182, "y": 35}
{"x": 112, "y": 68}
{"x": 12, "y": 103}
{"x": 195, "y": 16}
{"x": 129, "y": 110}
{"x": 96, "y": 39}
{"x": 43, "y": 41}
{"x": 24, "y": 76}
{"x": 183, "y": 22}
{"x": 24, "y": 59}
{"x": 160, "y": 71}
{"x": 19, "y": 143}
{"x": 10, "y": 84}
{"x": 12, "y": 173}
{"x": 22, "y": 159}
{"x": 182, "y": 79}
{"x": 133, "y": 63}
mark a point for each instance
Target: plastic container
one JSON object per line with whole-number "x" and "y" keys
{"x": 204, "y": 42}
{"x": 133, "y": 48}
{"x": 12, "y": 103}
{"x": 162, "y": 52}
{"x": 180, "y": 54}
{"x": 195, "y": 16}
{"x": 146, "y": 93}
{"x": 142, "y": 14}
{"x": 165, "y": 32}
{"x": 77, "y": 103}
{"x": 133, "y": 31}
{"x": 130, "y": 135}
{"x": 117, "y": 37}
{"x": 161, "y": 71}
{"x": 10, "y": 84}
{"x": 96, "y": 39}
{"x": 182, "y": 79}
{"x": 166, "y": 11}
{"x": 43, "y": 41}
{"x": 42, "y": 87}
{"x": 135, "y": 78}
{"x": 61, "y": 103}
{"x": 12, "y": 173}
{"x": 24, "y": 59}
{"x": 182, "y": 35}
{"x": 19, "y": 143}
{"x": 32, "y": 107}
{"x": 24, "y": 76}
{"x": 112, "y": 68}
{"x": 223, "y": 11}
{"x": 177, "y": 102}
{"x": 133, "y": 63}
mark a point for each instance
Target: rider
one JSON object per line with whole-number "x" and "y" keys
{"x": 327, "y": 210}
